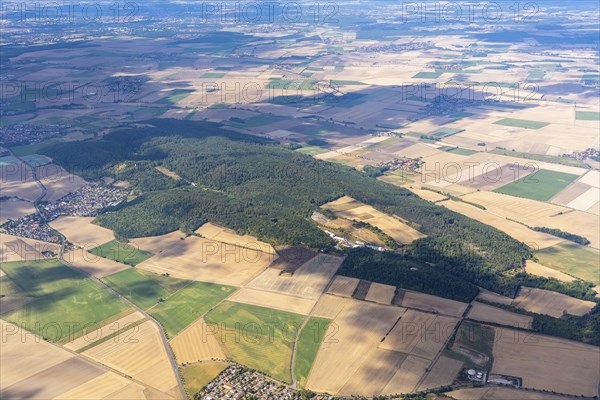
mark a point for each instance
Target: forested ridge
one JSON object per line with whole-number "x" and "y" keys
{"x": 261, "y": 188}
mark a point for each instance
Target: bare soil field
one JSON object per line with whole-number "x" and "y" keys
{"x": 224, "y": 235}
{"x": 329, "y": 306}
{"x": 157, "y": 244}
{"x": 292, "y": 257}
{"x": 537, "y": 269}
{"x": 139, "y": 353}
{"x": 486, "y": 313}
{"x": 13, "y": 209}
{"x": 379, "y": 293}
{"x": 492, "y": 297}
{"x": 92, "y": 335}
{"x": 277, "y": 301}
{"x": 443, "y": 373}
{"x": 81, "y": 232}
{"x": 495, "y": 175}
{"x": 17, "y": 180}
{"x": 419, "y": 334}
{"x": 15, "y": 248}
{"x": 309, "y": 281}
{"x": 407, "y": 377}
{"x": 502, "y": 393}
{"x": 91, "y": 264}
{"x": 353, "y": 334}
{"x": 205, "y": 260}
{"x": 57, "y": 181}
{"x": 343, "y": 286}
{"x": 435, "y": 304}
{"x": 347, "y": 207}
{"x": 547, "y": 363}
{"x": 551, "y": 303}
{"x": 197, "y": 342}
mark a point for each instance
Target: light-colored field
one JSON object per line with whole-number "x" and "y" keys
{"x": 428, "y": 195}
{"x": 502, "y": 393}
{"x": 15, "y": 248}
{"x": 443, "y": 373}
{"x": 492, "y": 297}
{"x": 198, "y": 376}
{"x": 329, "y": 306}
{"x": 96, "y": 266}
{"x": 551, "y": 303}
{"x": 98, "y": 388}
{"x": 486, "y": 313}
{"x": 407, "y": 377}
{"x": 81, "y": 232}
{"x": 197, "y": 342}
{"x": 379, "y": 293}
{"x": 353, "y": 334}
{"x": 427, "y": 302}
{"x": 343, "y": 286}
{"x": 537, "y": 269}
{"x": 14, "y": 209}
{"x": 17, "y": 180}
{"x": 277, "y": 301}
{"x": 139, "y": 353}
{"x": 205, "y": 260}
{"x": 167, "y": 172}
{"x": 308, "y": 281}
{"x": 57, "y": 181}
{"x": 420, "y": 334}
{"x": 347, "y": 207}
{"x": 517, "y": 231}
{"x": 547, "y": 363}
{"x": 157, "y": 244}
{"x": 92, "y": 335}
{"x": 224, "y": 235}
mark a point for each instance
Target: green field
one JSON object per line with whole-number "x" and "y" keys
{"x": 335, "y": 82}
{"x": 308, "y": 345}
{"x": 457, "y": 150}
{"x": 175, "y": 303}
{"x": 175, "y": 96}
{"x": 521, "y": 123}
{"x": 197, "y": 376}
{"x": 445, "y": 132}
{"x": 258, "y": 337}
{"x": 541, "y": 185}
{"x": 587, "y": 116}
{"x": 311, "y": 150}
{"x": 541, "y": 157}
{"x": 572, "y": 259}
{"x": 61, "y": 296}
{"x": 121, "y": 252}
{"x": 428, "y": 75}
{"x": 213, "y": 75}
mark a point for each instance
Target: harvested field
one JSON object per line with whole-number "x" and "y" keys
{"x": 81, "y": 232}
{"x": 492, "y": 297}
{"x": 353, "y": 334}
{"x": 438, "y": 305}
{"x": 551, "y": 303}
{"x": 408, "y": 376}
{"x": 57, "y": 181}
{"x": 330, "y": 306}
{"x": 420, "y": 334}
{"x": 572, "y": 259}
{"x": 92, "y": 264}
{"x": 13, "y": 209}
{"x": 293, "y": 257}
{"x": 205, "y": 260}
{"x": 428, "y": 195}
{"x": 486, "y": 313}
{"x": 496, "y": 175}
{"x": 91, "y": 335}
{"x": 538, "y": 240}
{"x": 17, "y": 180}
{"x": 382, "y": 294}
{"x": 443, "y": 373}
{"x": 124, "y": 253}
{"x": 362, "y": 290}
{"x": 139, "y": 353}
{"x": 308, "y": 281}
{"x": 277, "y": 301}
{"x": 157, "y": 244}
{"x": 343, "y": 286}
{"x": 374, "y": 373}
{"x": 347, "y": 207}
{"x": 15, "y": 248}
{"x": 548, "y": 363}
{"x": 197, "y": 342}
{"x": 198, "y": 376}
{"x": 225, "y": 235}
{"x": 534, "y": 268}
{"x": 98, "y": 388}
{"x": 502, "y": 393}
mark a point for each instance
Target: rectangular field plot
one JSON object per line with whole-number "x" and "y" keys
{"x": 430, "y": 303}
{"x": 199, "y": 375}
{"x": 485, "y": 313}
{"x": 197, "y": 342}
{"x": 309, "y": 342}
{"x": 572, "y": 259}
{"x": 551, "y": 303}
{"x": 60, "y": 295}
{"x": 443, "y": 373}
{"x": 521, "y": 123}
{"x": 379, "y": 293}
{"x": 541, "y": 185}
{"x": 587, "y": 116}
{"x": 121, "y": 252}
{"x": 81, "y": 232}
{"x": 258, "y": 337}
{"x": 277, "y": 301}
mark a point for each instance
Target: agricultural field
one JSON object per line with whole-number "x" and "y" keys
{"x": 197, "y": 342}
{"x": 224, "y": 235}
{"x": 257, "y": 337}
{"x": 274, "y": 300}
{"x": 382, "y": 294}
{"x": 541, "y": 185}
{"x": 124, "y": 253}
{"x": 15, "y": 248}
{"x": 92, "y": 264}
{"x": 199, "y": 375}
{"x": 443, "y": 373}
{"x": 57, "y": 181}
{"x": 540, "y": 361}
{"x": 173, "y": 302}
{"x": 572, "y": 259}
{"x": 429, "y": 303}
{"x": 473, "y": 345}
{"x": 13, "y": 209}
{"x": 551, "y": 303}
{"x": 537, "y": 269}
{"x": 82, "y": 232}
{"x": 347, "y": 207}
{"x": 502, "y": 393}
{"x": 61, "y": 295}
{"x": 17, "y": 180}
{"x": 343, "y": 286}
{"x": 307, "y": 346}
{"x": 521, "y": 123}
{"x": 485, "y": 313}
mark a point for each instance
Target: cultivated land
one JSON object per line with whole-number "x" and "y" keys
{"x": 541, "y": 185}
{"x": 486, "y": 313}
{"x": 14, "y": 248}
{"x": 174, "y": 303}
{"x": 57, "y": 181}
{"x": 82, "y": 232}
{"x": 121, "y": 252}
{"x": 382, "y": 294}
{"x": 92, "y": 264}
{"x": 197, "y": 342}
{"x": 540, "y": 361}
{"x": 572, "y": 259}
{"x": 257, "y": 337}
{"x": 277, "y": 301}
{"x": 198, "y": 376}
{"x": 443, "y": 373}
{"x": 309, "y": 342}
{"x": 347, "y": 207}
{"x": 224, "y": 235}
{"x": 205, "y": 260}
{"x": 551, "y": 303}
{"x": 17, "y": 180}
{"x": 14, "y": 209}
{"x": 538, "y": 269}
{"x": 427, "y": 302}
{"x": 61, "y": 295}
{"x": 343, "y": 286}
{"x": 502, "y": 393}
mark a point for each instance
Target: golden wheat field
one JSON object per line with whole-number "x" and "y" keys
{"x": 486, "y": 313}
{"x": 197, "y": 342}
{"x": 343, "y": 286}
{"x": 82, "y": 232}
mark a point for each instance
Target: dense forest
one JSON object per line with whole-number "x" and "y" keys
{"x": 261, "y": 188}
